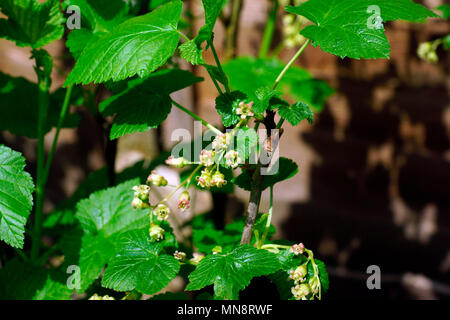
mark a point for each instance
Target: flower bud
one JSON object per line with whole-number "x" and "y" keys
{"x": 298, "y": 275}
{"x": 177, "y": 162}
{"x": 297, "y": 248}
{"x": 221, "y": 141}
{"x": 427, "y": 52}
{"x": 300, "y": 291}
{"x": 216, "y": 250}
{"x": 142, "y": 192}
{"x": 184, "y": 201}
{"x": 207, "y": 158}
{"x": 245, "y": 110}
{"x": 218, "y": 179}
{"x": 139, "y": 204}
{"x": 197, "y": 257}
{"x": 156, "y": 232}
{"x": 97, "y": 297}
{"x": 180, "y": 256}
{"x": 161, "y": 211}
{"x": 204, "y": 180}
{"x": 232, "y": 159}
{"x": 156, "y": 179}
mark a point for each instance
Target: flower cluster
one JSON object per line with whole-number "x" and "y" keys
{"x": 304, "y": 289}
{"x": 427, "y": 52}
{"x": 245, "y": 110}
{"x": 291, "y": 24}
{"x": 141, "y": 197}
{"x": 209, "y": 178}
{"x": 97, "y": 297}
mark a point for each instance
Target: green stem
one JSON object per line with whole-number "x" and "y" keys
{"x": 43, "y": 105}
{"x": 62, "y": 117}
{"x": 269, "y": 31}
{"x": 290, "y": 63}
{"x": 216, "y": 84}
{"x": 269, "y": 217}
{"x": 185, "y": 37}
{"x": 193, "y": 115}
{"x": 188, "y": 180}
{"x": 219, "y": 65}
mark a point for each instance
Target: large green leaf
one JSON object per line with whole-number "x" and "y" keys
{"x": 139, "y": 46}
{"x": 349, "y": 28}
{"x": 103, "y": 217}
{"x": 24, "y": 281}
{"x": 247, "y": 74}
{"x": 19, "y": 107}
{"x": 445, "y": 9}
{"x": 296, "y": 113}
{"x": 140, "y": 265}
{"x": 145, "y": 104}
{"x": 97, "y": 17}
{"x": 232, "y": 272}
{"x": 31, "y": 23}
{"x": 286, "y": 170}
{"x": 16, "y": 198}
{"x": 212, "y": 11}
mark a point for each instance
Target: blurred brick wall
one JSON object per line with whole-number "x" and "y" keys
{"x": 373, "y": 186}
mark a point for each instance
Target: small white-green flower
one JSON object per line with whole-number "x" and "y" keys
{"x": 142, "y": 192}
{"x": 161, "y": 211}
{"x": 207, "y": 158}
{"x": 156, "y": 179}
{"x": 232, "y": 159}
{"x": 177, "y": 162}
{"x": 156, "y": 232}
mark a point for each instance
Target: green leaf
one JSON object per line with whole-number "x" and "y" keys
{"x": 296, "y": 113}
{"x": 212, "y": 12}
{"x": 192, "y": 53}
{"x": 350, "y": 28}
{"x": 152, "y": 38}
{"x": 260, "y": 226}
{"x": 97, "y": 17}
{"x": 145, "y": 104}
{"x": 23, "y": 281}
{"x": 103, "y": 218}
{"x": 263, "y": 97}
{"x": 31, "y": 23}
{"x": 445, "y": 9}
{"x": 140, "y": 265}
{"x": 100, "y": 15}
{"x": 248, "y": 73}
{"x": 232, "y": 272}
{"x": 217, "y": 74}
{"x": 226, "y": 105}
{"x": 286, "y": 170}
{"x": 323, "y": 274}
{"x": 16, "y": 196}
{"x": 19, "y": 107}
